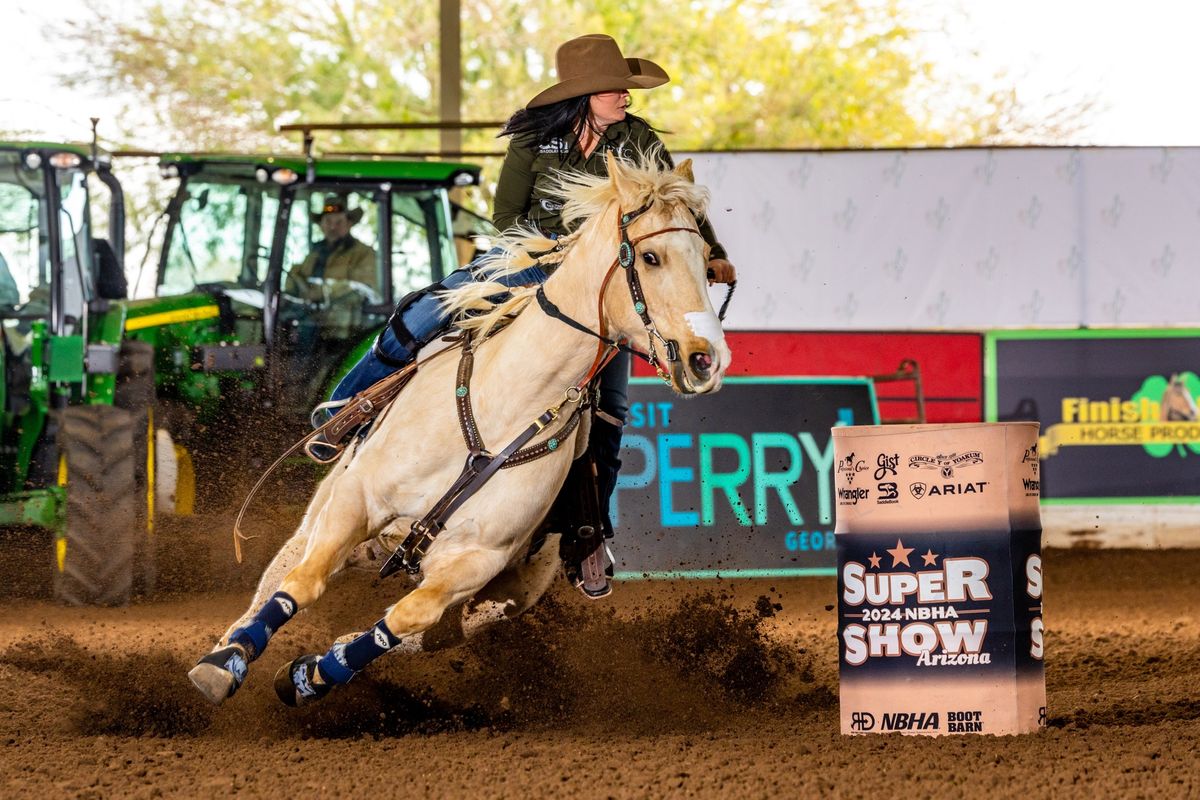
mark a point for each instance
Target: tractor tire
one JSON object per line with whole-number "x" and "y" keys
{"x": 96, "y": 552}
{"x": 135, "y": 393}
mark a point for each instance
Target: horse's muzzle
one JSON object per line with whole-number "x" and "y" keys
{"x": 699, "y": 372}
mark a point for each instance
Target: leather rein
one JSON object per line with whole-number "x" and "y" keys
{"x": 480, "y": 464}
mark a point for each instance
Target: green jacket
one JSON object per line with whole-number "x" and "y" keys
{"x": 346, "y": 259}
{"x": 523, "y": 192}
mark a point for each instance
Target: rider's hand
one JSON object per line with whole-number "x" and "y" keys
{"x": 721, "y": 271}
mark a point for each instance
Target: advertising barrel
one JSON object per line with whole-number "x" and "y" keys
{"x": 939, "y": 578}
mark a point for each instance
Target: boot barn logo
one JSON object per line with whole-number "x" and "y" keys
{"x": 914, "y": 612}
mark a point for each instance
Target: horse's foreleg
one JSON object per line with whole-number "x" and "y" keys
{"x": 294, "y": 579}
{"x": 449, "y": 580}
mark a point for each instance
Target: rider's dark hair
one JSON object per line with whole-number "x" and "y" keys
{"x": 555, "y": 121}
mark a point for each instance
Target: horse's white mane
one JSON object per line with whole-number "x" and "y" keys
{"x": 643, "y": 179}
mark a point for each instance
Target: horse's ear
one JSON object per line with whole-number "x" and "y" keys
{"x": 616, "y": 173}
{"x": 684, "y": 170}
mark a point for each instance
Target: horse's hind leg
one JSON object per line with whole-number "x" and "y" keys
{"x": 449, "y": 580}
{"x": 510, "y": 594}
{"x": 325, "y": 538}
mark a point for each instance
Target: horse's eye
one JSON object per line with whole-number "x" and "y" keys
{"x": 650, "y": 258}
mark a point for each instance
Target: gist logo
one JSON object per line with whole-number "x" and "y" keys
{"x": 914, "y": 612}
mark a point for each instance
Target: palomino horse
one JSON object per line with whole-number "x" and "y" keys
{"x": 634, "y": 270}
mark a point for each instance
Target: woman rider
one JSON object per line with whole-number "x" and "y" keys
{"x": 569, "y": 126}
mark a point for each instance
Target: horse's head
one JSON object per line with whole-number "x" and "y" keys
{"x": 657, "y": 295}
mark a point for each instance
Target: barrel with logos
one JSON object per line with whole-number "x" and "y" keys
{"x": 939, "y": 578}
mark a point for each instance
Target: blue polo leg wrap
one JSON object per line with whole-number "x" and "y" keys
{"x": 344, "y": 661}
{"x": 253, "y": 636}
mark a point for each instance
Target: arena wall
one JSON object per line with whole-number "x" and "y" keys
{"x": 982, "y": 266}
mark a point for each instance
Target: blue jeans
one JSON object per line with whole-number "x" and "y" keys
{"x": 424, "y": 320}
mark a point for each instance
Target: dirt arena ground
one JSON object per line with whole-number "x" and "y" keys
{"x": 719, "y": 689}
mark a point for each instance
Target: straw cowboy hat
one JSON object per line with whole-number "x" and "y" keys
{"x": 335, "y": 203}
{"x": 594, "y": 63}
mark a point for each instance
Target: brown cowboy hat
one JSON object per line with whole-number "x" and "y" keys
{"x": 594, "y": 63}
{"x": 338, "y": 203}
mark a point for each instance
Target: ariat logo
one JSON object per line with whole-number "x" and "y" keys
{"x": 904, "y": 721}
{"x": 920, "y": 490}
{"x": 381, "y": 639}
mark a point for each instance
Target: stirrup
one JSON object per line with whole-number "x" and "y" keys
{"x": 592, "y": 575}
{"x": 328, "y": 404}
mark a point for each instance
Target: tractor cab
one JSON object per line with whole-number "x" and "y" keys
{"x": 307, "y": 259}
{"x": 74, "y": 430}
{"x": 56, "y": 274}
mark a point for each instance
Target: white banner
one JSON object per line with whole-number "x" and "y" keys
{"x": 970, "y": 238}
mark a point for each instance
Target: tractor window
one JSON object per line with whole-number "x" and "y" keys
{"x": 332, "y": 246}
{"x": 24, "y": 256}
{"x": 422, "y": 248}
{"x": 74, "y": 227}
{"x": 208, "y": 239}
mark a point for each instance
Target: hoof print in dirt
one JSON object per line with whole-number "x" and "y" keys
{"x": 297, "y": 682}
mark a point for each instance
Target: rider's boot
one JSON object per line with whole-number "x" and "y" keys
{"x": 221, "y": 672}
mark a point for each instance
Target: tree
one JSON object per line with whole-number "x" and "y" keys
{"x": 221, "y": 74}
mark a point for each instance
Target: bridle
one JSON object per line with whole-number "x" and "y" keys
{"x": 627, "y": 260}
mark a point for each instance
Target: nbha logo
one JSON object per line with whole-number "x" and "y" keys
{"x": 910, "y": 721}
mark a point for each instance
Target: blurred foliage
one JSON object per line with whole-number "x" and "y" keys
{"x": 223, "y": 74}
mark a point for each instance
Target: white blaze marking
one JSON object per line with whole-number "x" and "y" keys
{"x": 705, "y": 325}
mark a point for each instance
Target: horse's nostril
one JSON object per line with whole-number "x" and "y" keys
{"x": 701, "y": 363}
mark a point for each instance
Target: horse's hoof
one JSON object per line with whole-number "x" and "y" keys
{"x": 297, "y": 682}
{"x": 220, "y": 673}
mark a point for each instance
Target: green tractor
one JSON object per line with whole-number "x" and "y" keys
{"x": 116, "y": 410}
{"x": 241, "y": 252}
{"x": 78, "y": 452}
